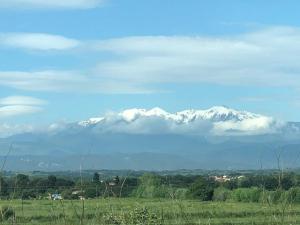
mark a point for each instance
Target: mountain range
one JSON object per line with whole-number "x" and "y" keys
{"x": 140, "y": 139}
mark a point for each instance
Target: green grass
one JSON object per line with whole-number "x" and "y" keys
{"x": 131, "y": 211}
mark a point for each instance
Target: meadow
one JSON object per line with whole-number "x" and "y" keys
{"x": 126, "y": 211}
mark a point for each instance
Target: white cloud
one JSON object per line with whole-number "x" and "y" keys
{"x": 68, "y": 81}
{"x": 21, "y": 100}
{"x": 37, "y": 41}
{"x": 50, "y": 4}
{"x": 268, "y": 58}
{"x": 19, "y": 106}
{"x": 254, "y": 126}
{"x": 18, "y": 110}
{"x": 7, "y": 130}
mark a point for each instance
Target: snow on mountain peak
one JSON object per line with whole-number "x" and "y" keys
{"x": 221, "y": 118}
{"x": 91, "y": 121}
{"x": 133, "y": 114}
{"x": 214, "y": 114}
{"x": 221, "y": 113}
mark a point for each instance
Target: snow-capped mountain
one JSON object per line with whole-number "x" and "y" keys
{"x": 215, "y": 114}
{"x": 91, "y": 121}
{"x": 216, "y": 120}
{"x": 218, "y": 137}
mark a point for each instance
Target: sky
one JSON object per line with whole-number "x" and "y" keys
{"x": 75, "y": 59}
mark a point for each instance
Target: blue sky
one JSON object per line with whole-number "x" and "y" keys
{"x": 81, "y": 58}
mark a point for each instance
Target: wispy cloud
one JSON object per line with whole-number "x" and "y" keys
{"x": 21, "y": 100}
{"x": 268, "y": 57}
{"x": 7, "y": 130}
{"x": 17, "y": 110}
{"x": 19, "y": 105}
{"x": 68, "y": 81}
{"x": 51, "y": 4}
{"x": 37, "y": 41}
{"x": 255, "y": 99}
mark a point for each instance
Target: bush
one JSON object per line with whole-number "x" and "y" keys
{"x": 67, "y": 194}
{"x": 202, "y": 189}
{"x": 272, "y": 197}
{"x": 221, "y": 194}
{"x": 152, "y": 192}
{"x": 180, "y": 193}
{"x": 29, "y": 194}
{"x": 90, "y": 192}
{"x": 138, "y": 216}
{"x": 143, "y": 216}
{"x": 292, "y": 195}
{"x": 279, "y": 196}
{"x": 150, "y": 186}
{"x": 6, "y": 212}
{"x": 246, "y": 194}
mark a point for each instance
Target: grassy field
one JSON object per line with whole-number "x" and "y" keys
{"x": 141, "y": 211}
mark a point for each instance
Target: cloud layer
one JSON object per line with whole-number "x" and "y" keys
{"x": 267, "y": 57}
{"x": 21, "y": 100}
{"x": 19, "y": 106}
{"x": 51, "y": 4}
{"x": 37, "y": 41}
{"x": 7, "y": 130}
{"x": 263, "y": 58}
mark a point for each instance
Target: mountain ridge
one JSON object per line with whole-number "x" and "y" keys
{"x": 218, "y": 137}
{"x": 220, "y": 119}
{"x": 216, "y": 113}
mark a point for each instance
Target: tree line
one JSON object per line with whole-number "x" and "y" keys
{"x": 247, "y": 188}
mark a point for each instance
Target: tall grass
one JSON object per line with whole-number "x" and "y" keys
{"x": 141, "y": 211}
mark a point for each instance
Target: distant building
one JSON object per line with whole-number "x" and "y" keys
{"x": 221, "y": 178}
{"x": 56, "y": 197}
{"x": 78, "y": 192}
{"x": 112, "y": 183}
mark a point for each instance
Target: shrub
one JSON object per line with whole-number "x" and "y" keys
{"x": 292, "y": 195}
{"x": 221, "y": 194}
{"x": 6, "y": 212}
{"x": 246, "y": 194}
{"x": 202, "y": 189}
{"x": 67, "y": 194}
{"x": 280, "y": 196}
{"x": 180, "y": 193}
{"x": 273, "y": 197}
{"x": 150, "y": 186}
{"x": 138, "y": 216}
{"x": 90, "y": 192}
{"x": 143, "y": 216}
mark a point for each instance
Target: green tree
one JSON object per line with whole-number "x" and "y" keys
{"x": 21, "y": 184}
{"x": 90, "y": 192}
{"x": 22, "y": 181}
{"x": 96, "y": 178}
{"x": 3, "y": 187}
{"x": 221, "y": 194}
{"x": 150, "y": 186}
{"x": 202, "y": 189}
{"x": 52, "y": 181}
